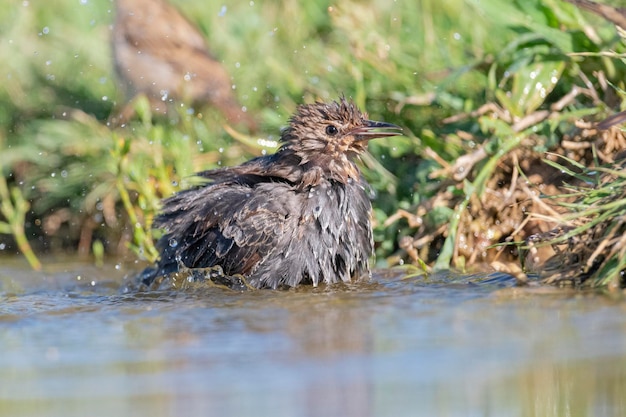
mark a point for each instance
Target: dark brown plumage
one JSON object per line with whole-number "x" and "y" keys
{"x": 159, "y": 53}
{"x": 301, "y": 215}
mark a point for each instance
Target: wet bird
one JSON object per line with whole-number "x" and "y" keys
{"x": 301, "y": 215}
{"x": 159, "y": 53}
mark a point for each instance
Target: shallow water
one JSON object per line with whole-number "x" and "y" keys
{"x": 75, "y": 341}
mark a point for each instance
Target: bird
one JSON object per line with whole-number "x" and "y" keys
{"x": 159, "y": 53}
{"x": 298, "y": 216}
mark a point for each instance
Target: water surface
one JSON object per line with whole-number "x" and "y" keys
{"x": 76, "y": 340}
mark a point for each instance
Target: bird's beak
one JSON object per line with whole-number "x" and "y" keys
{"x": 372, "y": 130}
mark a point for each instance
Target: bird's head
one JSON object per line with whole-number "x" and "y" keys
{"x": 330, "y": 135}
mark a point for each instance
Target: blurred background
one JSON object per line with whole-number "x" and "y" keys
{"x": 74, "y": 181}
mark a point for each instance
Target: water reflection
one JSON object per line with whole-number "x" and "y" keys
{"x": 398, "y": 346}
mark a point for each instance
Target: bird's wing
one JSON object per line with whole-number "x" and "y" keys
{"x": 231, "y": 225}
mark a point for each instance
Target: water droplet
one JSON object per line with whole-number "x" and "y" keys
{"x": 172, "y": 242}
{"x": 269, "y": 142}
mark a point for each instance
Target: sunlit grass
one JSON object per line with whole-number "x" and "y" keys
{"x": 429, "y": 66}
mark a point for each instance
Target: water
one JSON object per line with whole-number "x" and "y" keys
{"x": 444, "y": 346}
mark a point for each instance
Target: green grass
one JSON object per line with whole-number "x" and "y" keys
{"x": 410, "y": 63}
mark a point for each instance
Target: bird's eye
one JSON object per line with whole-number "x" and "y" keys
{"x": 331, "y": 130}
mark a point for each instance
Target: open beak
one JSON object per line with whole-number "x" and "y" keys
{"x": 372, "y": 130}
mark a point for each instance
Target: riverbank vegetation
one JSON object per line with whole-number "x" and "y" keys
{"x": 498, "y": 100}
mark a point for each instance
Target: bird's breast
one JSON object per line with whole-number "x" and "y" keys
{"x": 335, "y": 208}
